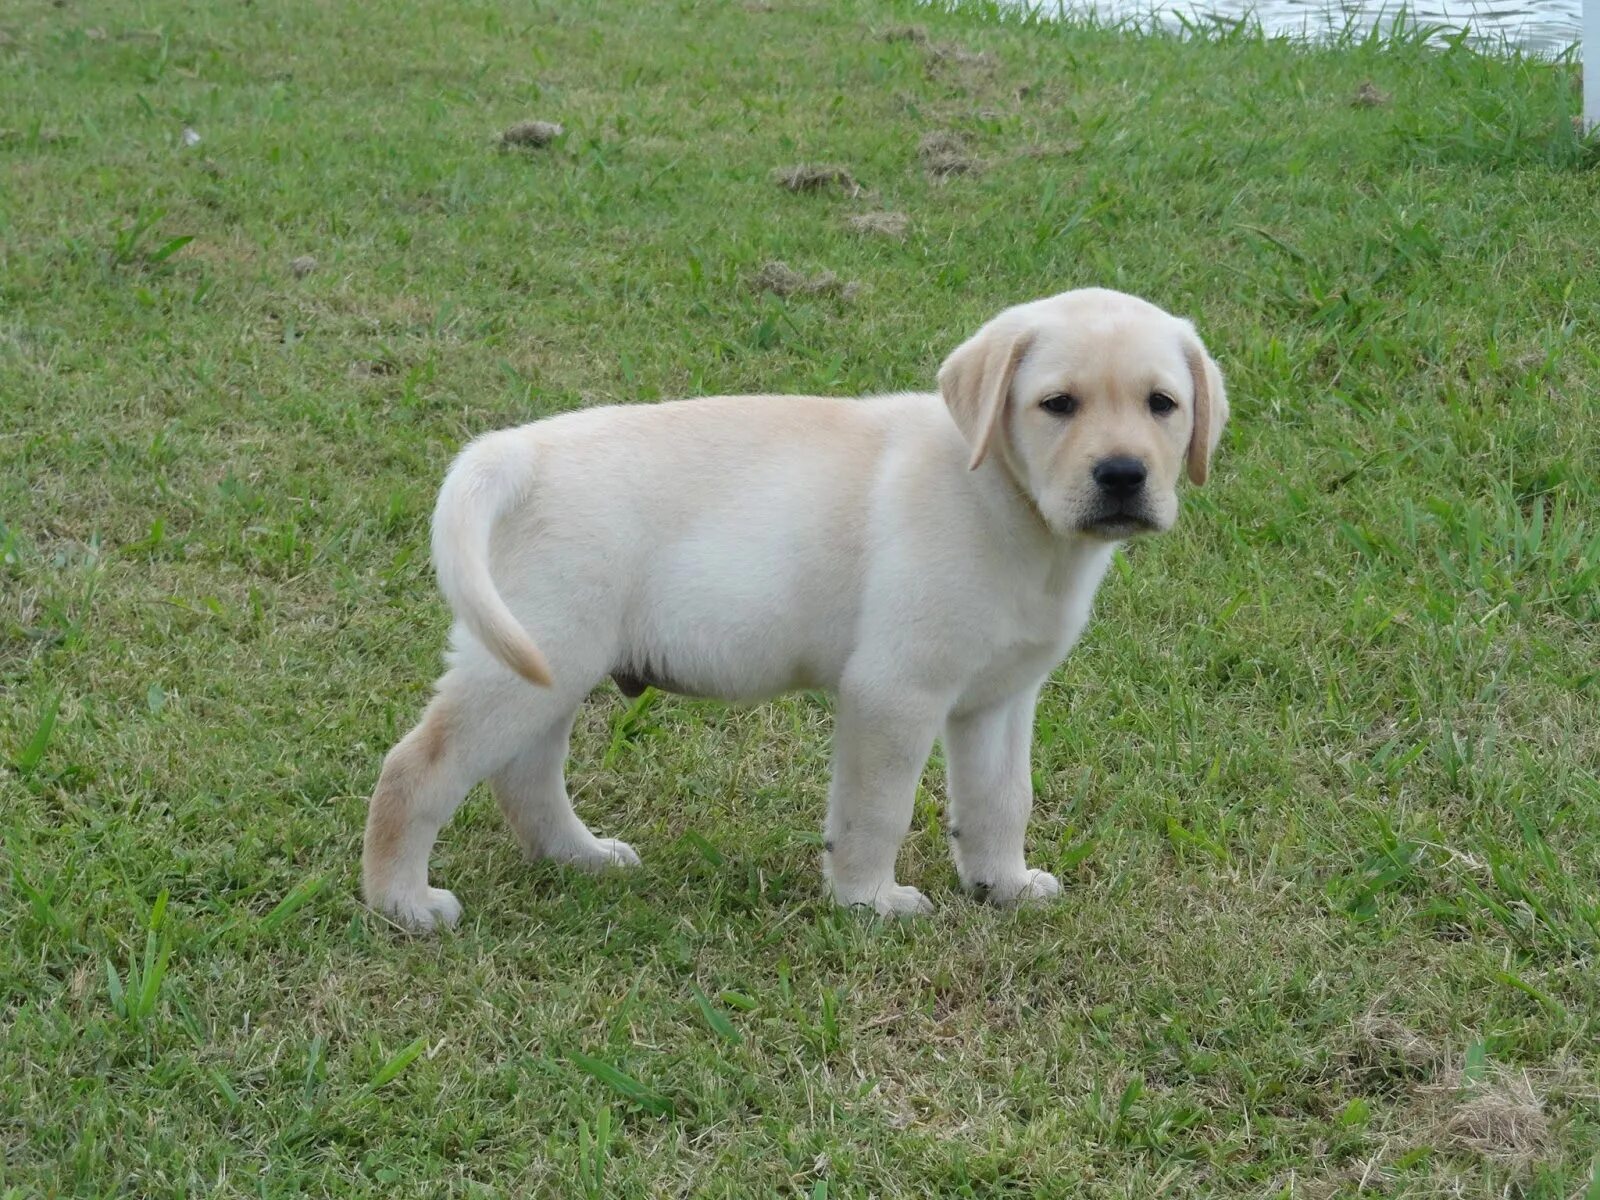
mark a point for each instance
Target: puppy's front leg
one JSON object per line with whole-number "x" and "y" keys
{"x": 991, "y": 797}
{"x": 881, "y": 744}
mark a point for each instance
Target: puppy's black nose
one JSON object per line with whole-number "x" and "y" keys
{"x": 1121, "y": 476}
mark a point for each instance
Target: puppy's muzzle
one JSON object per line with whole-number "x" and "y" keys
{"x": 1121, "y": 478}
{"x": 1120, "y": 508}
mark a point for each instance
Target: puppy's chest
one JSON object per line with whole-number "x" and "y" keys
{"x": 1030, "y": 639}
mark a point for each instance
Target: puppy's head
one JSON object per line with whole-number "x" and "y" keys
{"x": 1095, "y": 401}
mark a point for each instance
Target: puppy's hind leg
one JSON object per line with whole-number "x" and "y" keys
{"x": 475, "y": 724}
{"x": 532, "y": 793}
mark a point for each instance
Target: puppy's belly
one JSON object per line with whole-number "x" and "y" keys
{"x": 633, "y": 682}
{"x": 716, "y": 677}
{"x": 728, "y": 656}
{"x": 743, "y": 627}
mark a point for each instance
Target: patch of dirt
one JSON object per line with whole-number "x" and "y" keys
{"x": 531, "y": 134}
{"x": 783, "y": 280}
{"x": 957, "y": 66}
{"x": 960, "y": 70}
{"x": 816, "y": 177}
{"x": 945, "y": 155}
{"x": 881, "y": 224}
{"x": 947, "y": 166}
{"x": 1369, "y": 95}
{"x": 1385, "y": 1045}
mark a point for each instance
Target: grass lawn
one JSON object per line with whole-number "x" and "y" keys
{"x": 1321, "y": 779}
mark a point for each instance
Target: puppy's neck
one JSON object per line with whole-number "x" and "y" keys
{"x": 1010, "y": 506}
{"x": 1014, "y": 517}
{"x": 1078, "y": 558}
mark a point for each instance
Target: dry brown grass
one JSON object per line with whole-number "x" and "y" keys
{"x": 882, "y": 224}
{"x": 782, "y": 280}
{"x": 945, "y": 154}
{"x": 816, "y": 177}
{"x": 1369, "y": 95}
{"x": 1386, "y": 1045}
{"x": 916, "y": 34}
{"x": 1500, "y": 1116}
{"x": 531, "y": 134}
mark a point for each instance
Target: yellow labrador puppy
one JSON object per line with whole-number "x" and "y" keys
{"x": 928, "y": 560}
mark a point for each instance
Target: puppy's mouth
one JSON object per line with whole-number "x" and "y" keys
{"x": 1116, "y": 523}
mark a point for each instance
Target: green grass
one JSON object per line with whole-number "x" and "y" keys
{"x": 1321, "y": 778}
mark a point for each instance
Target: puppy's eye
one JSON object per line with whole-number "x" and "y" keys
{"x": 1161, "y": 403}
{"x": 1061, "y": 404}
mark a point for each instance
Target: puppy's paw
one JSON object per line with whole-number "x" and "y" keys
{"x": 601, "y": 854}
{"x": 423, "y": 911}
{"x": 1031, "y": 887}
{"x": 901, "y": 901}
{"x": 891, "y": 900}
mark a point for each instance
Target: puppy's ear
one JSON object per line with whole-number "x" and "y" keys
{"x": 1210, "y": 408}
{"x": 976, "y": 383}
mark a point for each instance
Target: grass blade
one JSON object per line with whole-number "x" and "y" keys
{"x": 170, "y": 248}
{"x": 224, "y": 1088}
{"x": 1180, "y": 836}
{"x": 155, "y": 970}
{"x": 707, "y": 851}
{"x": 830, "y": 1020}
{"x": 299, "y": 896}
{"x": 623, "y": 1084}
{"x": 1522, "y": 985}
{"x": 720, "y": 1025}
{"x": 386, "y": 1074}
{"x": 44, "y": 909}
{"x": 1130, "y": 1097}
{"x": 313, "y": 1069}
{"x": 1075, "y": 854}
{"x": 592, "y": 1151}
{"x": 1476, "y": 1067}
{"x": 33, "y": 753}
{"x": 114, "y": 989}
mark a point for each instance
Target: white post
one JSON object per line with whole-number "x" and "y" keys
{"x": 1591, "y": 64}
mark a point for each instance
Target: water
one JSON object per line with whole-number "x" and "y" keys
{"x": 1544, "y": 26}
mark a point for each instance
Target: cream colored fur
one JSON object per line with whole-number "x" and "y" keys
{"x": 928, "y": 559}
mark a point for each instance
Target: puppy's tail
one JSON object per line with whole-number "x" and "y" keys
{"x": 490, "y": 477}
